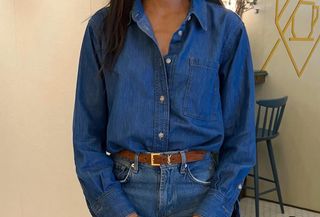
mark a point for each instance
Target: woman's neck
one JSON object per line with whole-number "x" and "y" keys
{"x": 165, "y": 7}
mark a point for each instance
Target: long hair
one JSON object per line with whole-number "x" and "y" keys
{"x": 115, "y": 28}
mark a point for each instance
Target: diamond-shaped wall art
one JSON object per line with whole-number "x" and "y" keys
{"x": 295, "y": 39}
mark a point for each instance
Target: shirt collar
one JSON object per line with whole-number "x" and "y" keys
{"x": 198, "y": 8}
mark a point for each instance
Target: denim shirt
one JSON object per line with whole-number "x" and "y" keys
{"x": 200, "y": 95}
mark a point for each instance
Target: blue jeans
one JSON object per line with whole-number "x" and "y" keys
{"x": 173, "y": 190}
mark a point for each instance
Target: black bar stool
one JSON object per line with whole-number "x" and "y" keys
{"x": 266, "y": 130}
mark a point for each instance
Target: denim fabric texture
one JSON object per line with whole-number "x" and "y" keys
{"x": 174, "y": 190}
{"x": 198, "y": 96}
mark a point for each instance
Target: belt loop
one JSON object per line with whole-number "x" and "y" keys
{"x": 136, "y": 162}
{"x": 183, "y": 161}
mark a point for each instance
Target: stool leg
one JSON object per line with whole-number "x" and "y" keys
{"x": 256, "y": 186}
{"x": 275, "y": 174}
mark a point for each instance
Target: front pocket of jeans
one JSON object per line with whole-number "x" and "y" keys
{"x": 122, "y": 171}
{"x": 201, "y": 91}
{"x": 202, "y": 171}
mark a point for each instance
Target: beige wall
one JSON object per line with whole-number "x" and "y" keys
{"x": 40, "y": 42}
{"x": 298, "y": 146}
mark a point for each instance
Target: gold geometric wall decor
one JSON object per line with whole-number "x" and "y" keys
{"x": 308, "y": 38}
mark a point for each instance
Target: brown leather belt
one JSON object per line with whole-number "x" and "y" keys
{"x": 156, "y": 158}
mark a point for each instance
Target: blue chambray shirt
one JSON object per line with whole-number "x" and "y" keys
{"x": 198, "y": 96}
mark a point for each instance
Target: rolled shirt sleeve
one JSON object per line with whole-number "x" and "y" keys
{"x": 238, "y": 151}
{"x": 103, "y": 194}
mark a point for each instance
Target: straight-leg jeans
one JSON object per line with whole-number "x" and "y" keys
{"x": 171, "y": 190}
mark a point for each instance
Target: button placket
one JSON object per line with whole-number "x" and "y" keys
{"x": 162, "y": 108}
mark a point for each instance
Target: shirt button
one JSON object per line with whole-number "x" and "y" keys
{"x": 161, "y": 135}
{"x": 168, "y": 60}
{"x": 161, "y": 98}
{"x": 180, "y": 32}
{"x": 240, "y": 186}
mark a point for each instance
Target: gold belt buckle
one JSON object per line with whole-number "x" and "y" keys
{"x": 152, "y": 160}
{"x": 155, "y": 164}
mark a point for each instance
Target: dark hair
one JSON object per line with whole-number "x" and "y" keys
{"x": 115, "y": 28}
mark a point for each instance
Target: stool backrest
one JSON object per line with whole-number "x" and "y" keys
{"x": 270, "y": 125}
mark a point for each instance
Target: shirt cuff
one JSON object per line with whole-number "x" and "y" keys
{"x": 113, "y": 203}
{"x": 216, "y": 204}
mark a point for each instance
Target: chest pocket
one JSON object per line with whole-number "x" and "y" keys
{"x": 201, "y": 95}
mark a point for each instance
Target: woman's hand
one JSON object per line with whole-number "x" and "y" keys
{"x": 134, "y": 214}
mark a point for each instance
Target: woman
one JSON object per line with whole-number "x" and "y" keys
{"x": 163, "y": 119}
